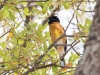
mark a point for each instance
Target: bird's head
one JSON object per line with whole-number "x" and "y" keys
{"x": 53, "y": 19}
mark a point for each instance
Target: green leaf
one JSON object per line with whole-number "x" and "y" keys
{"x": 46, "y": 5}
{"x": 77, "y": 13}
{"x": 28, "y": 28}
{"x": 20, "y": 41}
{"x": 40, "y": 28}
{"x": 73, "y": 58}
{"x": 87, "y": 25}
{"x": 36, "y": 11}
{"x": 83, "y": 40}
{"x": 3, "y": 44}
{"x": 39, "y": 32}
{"x": 33, "y": 24}
{"x": 45, "y": 46}
{"x": 39, "y": 3}
{"x": 26, "y": 11}
{"x": 1, "y": 53}
{"x": 29, "y": 44}
{"x": 18, "y": 24}
{"x": 16, "y": 52}
{"x": 54, "y": 69}
{"x": 6, "y": 57}
{"x": 88, "y": 21}
{"x": 80, "y": 26}
{"x": 53, "y": 52}
{"x": 47, "y": 35}
{"x": 12, "y": 16}
{"x": 67, "y": 5}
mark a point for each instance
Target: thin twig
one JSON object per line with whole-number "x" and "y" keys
{"x": 70, "y": 22}
{"x": 69, "y": 49}
{"x": 62, "y": 45}
{"x": 77, "y": 23}
{"x": 35, "y": 1}
{"x": 75, "y": 36}
{"x": 5, "y": 33}
{"x": 73, "y": 16}
{"x": 86, "y": 10}
{"x": 20, "y": 15}
{"x": 76, "y": 51}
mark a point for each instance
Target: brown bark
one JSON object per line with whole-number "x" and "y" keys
{"x": 90, "y": 61}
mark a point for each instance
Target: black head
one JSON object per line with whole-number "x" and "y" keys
{"x": 53, "y": 19}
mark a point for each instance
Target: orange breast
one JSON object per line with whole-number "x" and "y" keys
{"x": 56, "y": 30}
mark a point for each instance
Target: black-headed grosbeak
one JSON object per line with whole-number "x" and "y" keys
{"x": 56, "y": 30}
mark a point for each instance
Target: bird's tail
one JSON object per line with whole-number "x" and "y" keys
{"x": 61, "y": 52}
{"x": 62, "y": 62}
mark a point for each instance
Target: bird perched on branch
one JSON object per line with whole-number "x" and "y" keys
{"x": 56, "y": 30}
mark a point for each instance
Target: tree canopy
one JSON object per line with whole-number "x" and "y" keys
{"x": 25, "y": 45}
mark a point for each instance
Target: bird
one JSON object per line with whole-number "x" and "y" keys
{"x": 56, "y": 30}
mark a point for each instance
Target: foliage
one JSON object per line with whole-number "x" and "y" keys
{"x": 23, "y": 43}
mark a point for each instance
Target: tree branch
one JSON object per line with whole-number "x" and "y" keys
{"x": 5, "y": 33}
{"x": 41, "y": 57}
{"x": 35, "y": 1}
{"x": 44, "y": 66}
{"x": 76, "y": 51}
